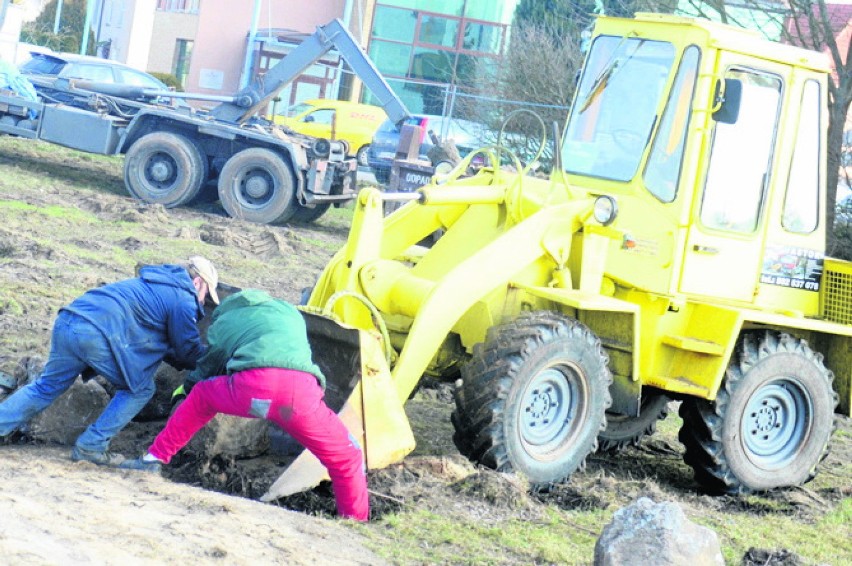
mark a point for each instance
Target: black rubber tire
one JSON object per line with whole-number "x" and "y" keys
{"x": 257, "y": 185}
{"x": 382, "y": 175}
{"x": 361, "y": 156}
{"x": 533, "y": 398}
{"x": 305, "y": 215}
{"x": 164, "y": 168}
{"x": 622, "y": 431}
{"x": 771, "y": 422}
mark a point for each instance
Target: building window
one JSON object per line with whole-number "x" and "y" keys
{"x": 182, "y": 6}
{"x": 424, "y": 51}
{"x": 183, "y": 53}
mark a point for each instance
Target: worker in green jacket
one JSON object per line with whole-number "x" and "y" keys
{"x": 258, "y": 365}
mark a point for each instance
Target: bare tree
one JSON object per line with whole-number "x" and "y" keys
{"x": 539, "y": 70}
{"x": 537, "y": 74}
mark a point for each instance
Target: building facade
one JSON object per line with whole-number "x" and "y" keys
{"x": 421, "y": 47}
{"x": 211, "y": 46}
{"x": 217, "y": 46}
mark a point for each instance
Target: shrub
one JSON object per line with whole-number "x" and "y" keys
{"x": 169, "y": 79}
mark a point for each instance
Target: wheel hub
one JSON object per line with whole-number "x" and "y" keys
{"x": 257, "y": 186}
{"x": 777, "y": 420}
{"x": 542, "y": 404}
{"x": 766, "y": 418}
{"x": 547, "y": 410}
{"x": 161, "y": 170}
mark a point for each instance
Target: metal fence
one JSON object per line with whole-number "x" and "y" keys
{"x": 484, "y": 117}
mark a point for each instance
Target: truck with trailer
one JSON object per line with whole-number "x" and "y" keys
{"x": 677, "y": 252}
{"x": 175, "y": 154}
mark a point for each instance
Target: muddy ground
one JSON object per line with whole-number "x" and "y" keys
{"x": 55, "y": 511}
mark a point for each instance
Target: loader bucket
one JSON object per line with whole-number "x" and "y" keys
{"x": 360, "y": 390}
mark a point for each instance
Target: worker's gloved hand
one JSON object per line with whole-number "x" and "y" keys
{"x": 178, "y": 395}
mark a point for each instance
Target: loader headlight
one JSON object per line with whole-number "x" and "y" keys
{"x": 606, "y": 209}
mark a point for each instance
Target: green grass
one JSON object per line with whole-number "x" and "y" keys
{"x": 825, "y": 542}
{"x": 421, "y": 536}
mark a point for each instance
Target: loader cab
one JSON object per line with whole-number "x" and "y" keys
{"x": 712, "y": 143}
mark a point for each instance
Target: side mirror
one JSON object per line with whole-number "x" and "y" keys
{"x": 309, "y": 118}
{"x": 726, "y": 101}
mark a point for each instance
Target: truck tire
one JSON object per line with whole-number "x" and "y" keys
{"x": 164, "y": 168}
{"x": 622, "y": 431}
{"x": 361, "y": 157}
{"x": 257, "y": 185}
{"x": 770, "y": 423}
{"x": 305, "y": 215}
{"x": 533, "y": 398}
{"x": 382, "y": 175}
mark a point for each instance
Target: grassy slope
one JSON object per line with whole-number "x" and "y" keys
{"x": 66, "y": 225}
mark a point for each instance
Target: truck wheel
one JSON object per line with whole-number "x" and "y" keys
{"x": 622, "y": 431}
{"x": 305, "y": 215}
{"x": 533, "y": 398}
{"x": 361, "y": 156}
{"x": 771, "y": 422}
{"x": 164, "y": 168}
{"x": 256, "y": 185}
{"x": 382, "y": 175}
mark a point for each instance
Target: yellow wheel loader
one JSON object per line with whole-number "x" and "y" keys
{"x": 676, "y": 252}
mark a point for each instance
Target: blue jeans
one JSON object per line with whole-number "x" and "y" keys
{"x": 75, "y": 346}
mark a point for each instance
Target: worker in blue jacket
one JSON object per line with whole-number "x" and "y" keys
{"x": 121, "y": 331}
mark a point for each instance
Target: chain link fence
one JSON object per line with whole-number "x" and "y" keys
{"x": 525, "y": 128}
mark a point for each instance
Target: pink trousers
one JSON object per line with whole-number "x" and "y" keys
{"x": 294, "y": 401}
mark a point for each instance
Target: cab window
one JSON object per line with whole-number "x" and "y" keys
{"x": 324, "y": 116}
{"x": 741, "y": 156}
{"x": 605, "y": 137}
{"x": 664, "y": 162}
{"x": 801, "y": 203}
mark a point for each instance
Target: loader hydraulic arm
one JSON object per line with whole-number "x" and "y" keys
{"x": 332, "y": 35}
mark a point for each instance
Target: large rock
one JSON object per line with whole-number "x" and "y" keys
{"x": 231, "y": 436}
{"x": 656, "y": 534}
{"x": 167, "y": 379}
{"x": 67, "y": 417}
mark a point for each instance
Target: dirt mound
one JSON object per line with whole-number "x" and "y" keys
{"x": 60, "y": 512}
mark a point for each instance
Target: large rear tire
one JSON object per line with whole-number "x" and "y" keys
{"x": 533, "y": 398}
{"x": 164, "y": 168}
{"x": 622, "y": 431}
{"x": 305, "y": 215}
{"x": 771, "y": 421}
{"x": 256, "y": 185}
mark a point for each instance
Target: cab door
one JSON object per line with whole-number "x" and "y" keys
{"x": 725, "y": 239}
{"x": 317, "y": 123}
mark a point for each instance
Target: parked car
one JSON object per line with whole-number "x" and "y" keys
{"x": 353, "y": 123}
{"x": 465, "y": 134}
{"x": 95, "y": 69}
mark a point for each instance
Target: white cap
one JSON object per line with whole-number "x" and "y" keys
{"x": 206, "y": 271}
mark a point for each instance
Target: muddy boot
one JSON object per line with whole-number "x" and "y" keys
{"x": 105, "y": 458}
{"x": 142, "y": 464}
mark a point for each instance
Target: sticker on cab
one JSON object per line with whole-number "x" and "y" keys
{"x": 788, "y": 266}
